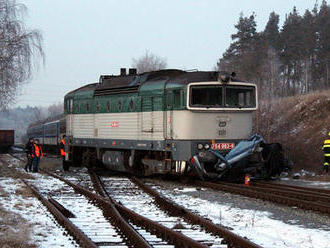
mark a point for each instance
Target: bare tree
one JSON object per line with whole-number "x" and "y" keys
{"x": 20, "y": 50}
{"x": 55, "y": 109}
{"x": 149, "y": 62}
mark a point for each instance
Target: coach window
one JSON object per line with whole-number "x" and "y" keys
{"x": 87, "y": 107}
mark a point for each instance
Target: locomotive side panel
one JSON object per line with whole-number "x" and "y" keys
{"x": 117, "y": 126}
{"x": 227, "y": 126}
{"x": 83, "y": 126}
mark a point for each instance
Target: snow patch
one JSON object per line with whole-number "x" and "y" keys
{"x": 45, "y": 230}
{"x": 258, "y": 226}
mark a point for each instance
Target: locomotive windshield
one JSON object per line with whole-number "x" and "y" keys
{"x": 222, "y": 96}
{"x": 206, "y": 96}
{"x": 240, "y": 97}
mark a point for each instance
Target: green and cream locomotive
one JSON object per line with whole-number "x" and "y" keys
{"x": 161, "y": 122}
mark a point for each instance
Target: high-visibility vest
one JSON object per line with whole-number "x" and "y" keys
{"x": 62, "y": 149}
{"x": 38, "y": 151}
{"x": 326, "y": 148}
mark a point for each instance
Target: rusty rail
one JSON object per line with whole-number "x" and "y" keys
{"x": 74, "y": 231}
{"x": 294, "y": 187}
{"x": 66, "y": 212}
{"x": 232, "y": 239}
{"x": 176, "y": 238}
{"x": 264, "y": 195}
{"x": 293, "y": 193}
{"x": 134, "y": 239}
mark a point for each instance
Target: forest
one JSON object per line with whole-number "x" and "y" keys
{"x": 283, "y": 61}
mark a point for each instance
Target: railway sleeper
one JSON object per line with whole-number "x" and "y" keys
{"x": 178, "y": 239}
{"x": 74, "y": 231}
{"x": 231, "y": 239}
{"x": 307, "y": 205}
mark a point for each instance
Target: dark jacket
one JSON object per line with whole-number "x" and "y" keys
{"x": 29, "y": 148}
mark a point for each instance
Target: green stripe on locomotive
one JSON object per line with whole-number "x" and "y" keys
{"x": 152, "y": 96}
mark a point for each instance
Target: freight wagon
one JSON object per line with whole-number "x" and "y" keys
{"x": 7, "y": 139}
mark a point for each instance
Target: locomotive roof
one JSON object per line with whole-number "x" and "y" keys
{"x": 131, "y": 83}
{"x": 171, "y": 75}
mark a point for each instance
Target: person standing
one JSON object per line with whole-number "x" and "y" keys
{"x": 36, "y": 154}
{"x": 28, "y": 151}
{"x": 62, "y": 150}
{"x": 326, "y": 150}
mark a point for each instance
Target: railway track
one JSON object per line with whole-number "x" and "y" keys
{"x": 82, "y": 219}
{"x": 155, "y": 235}
{"x": 162, "y": 223}
{"x": 135, "y": 194}
{"x": 154, "y": 224}
{"x": 302, "y": 197}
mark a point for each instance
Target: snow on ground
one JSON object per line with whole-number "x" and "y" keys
{"x": 316, "y": 183}
{"x": 45, "y": 231}
{"x": 258, "y": 226}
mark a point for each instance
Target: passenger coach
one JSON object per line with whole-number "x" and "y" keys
{"x": 156, "y": 122}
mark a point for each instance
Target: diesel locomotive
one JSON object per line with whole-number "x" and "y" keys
{"x": 165, "y": 122}
{"x": 168, "y": 122}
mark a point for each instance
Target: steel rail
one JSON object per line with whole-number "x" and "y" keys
{"x": 74, "y": 231}
{"x": 294, "y": 187}
{"x": 293, "y": 193}
{"x": 133, "y": 238}
{"x": 248, "y": 191}
{"x": 232, "y": 239}
{"x": 176, "y": 238}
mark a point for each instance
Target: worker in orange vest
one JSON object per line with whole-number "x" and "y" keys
{"x": 62, "y": 150}
{"x": 36, "y": 155}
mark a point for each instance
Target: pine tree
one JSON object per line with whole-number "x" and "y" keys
{"x": 240, "y": 55}
{"x": 271, "y": 33}
{"x": 309, "y": 48}
{"x": 292, "y": 51}
{"x": 323, "y": 46}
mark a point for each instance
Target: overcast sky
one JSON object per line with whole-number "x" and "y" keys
{"x": 86, "y": 38}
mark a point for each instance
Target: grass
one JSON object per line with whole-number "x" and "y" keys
{"x": 300, "y": 124}
{"x": 14, "y": 233}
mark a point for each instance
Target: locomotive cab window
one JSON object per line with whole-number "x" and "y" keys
{"x": 207, "y": 96}
{"x": 240, "y": 97}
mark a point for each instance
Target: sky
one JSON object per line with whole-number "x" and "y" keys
{"x": 84, "y": 39}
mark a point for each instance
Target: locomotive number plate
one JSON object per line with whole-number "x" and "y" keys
{"x": 223, "y": 146}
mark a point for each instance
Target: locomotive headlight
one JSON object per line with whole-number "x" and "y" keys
{"x": 200, "y": 146}
{"x": 206, "y": 146}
